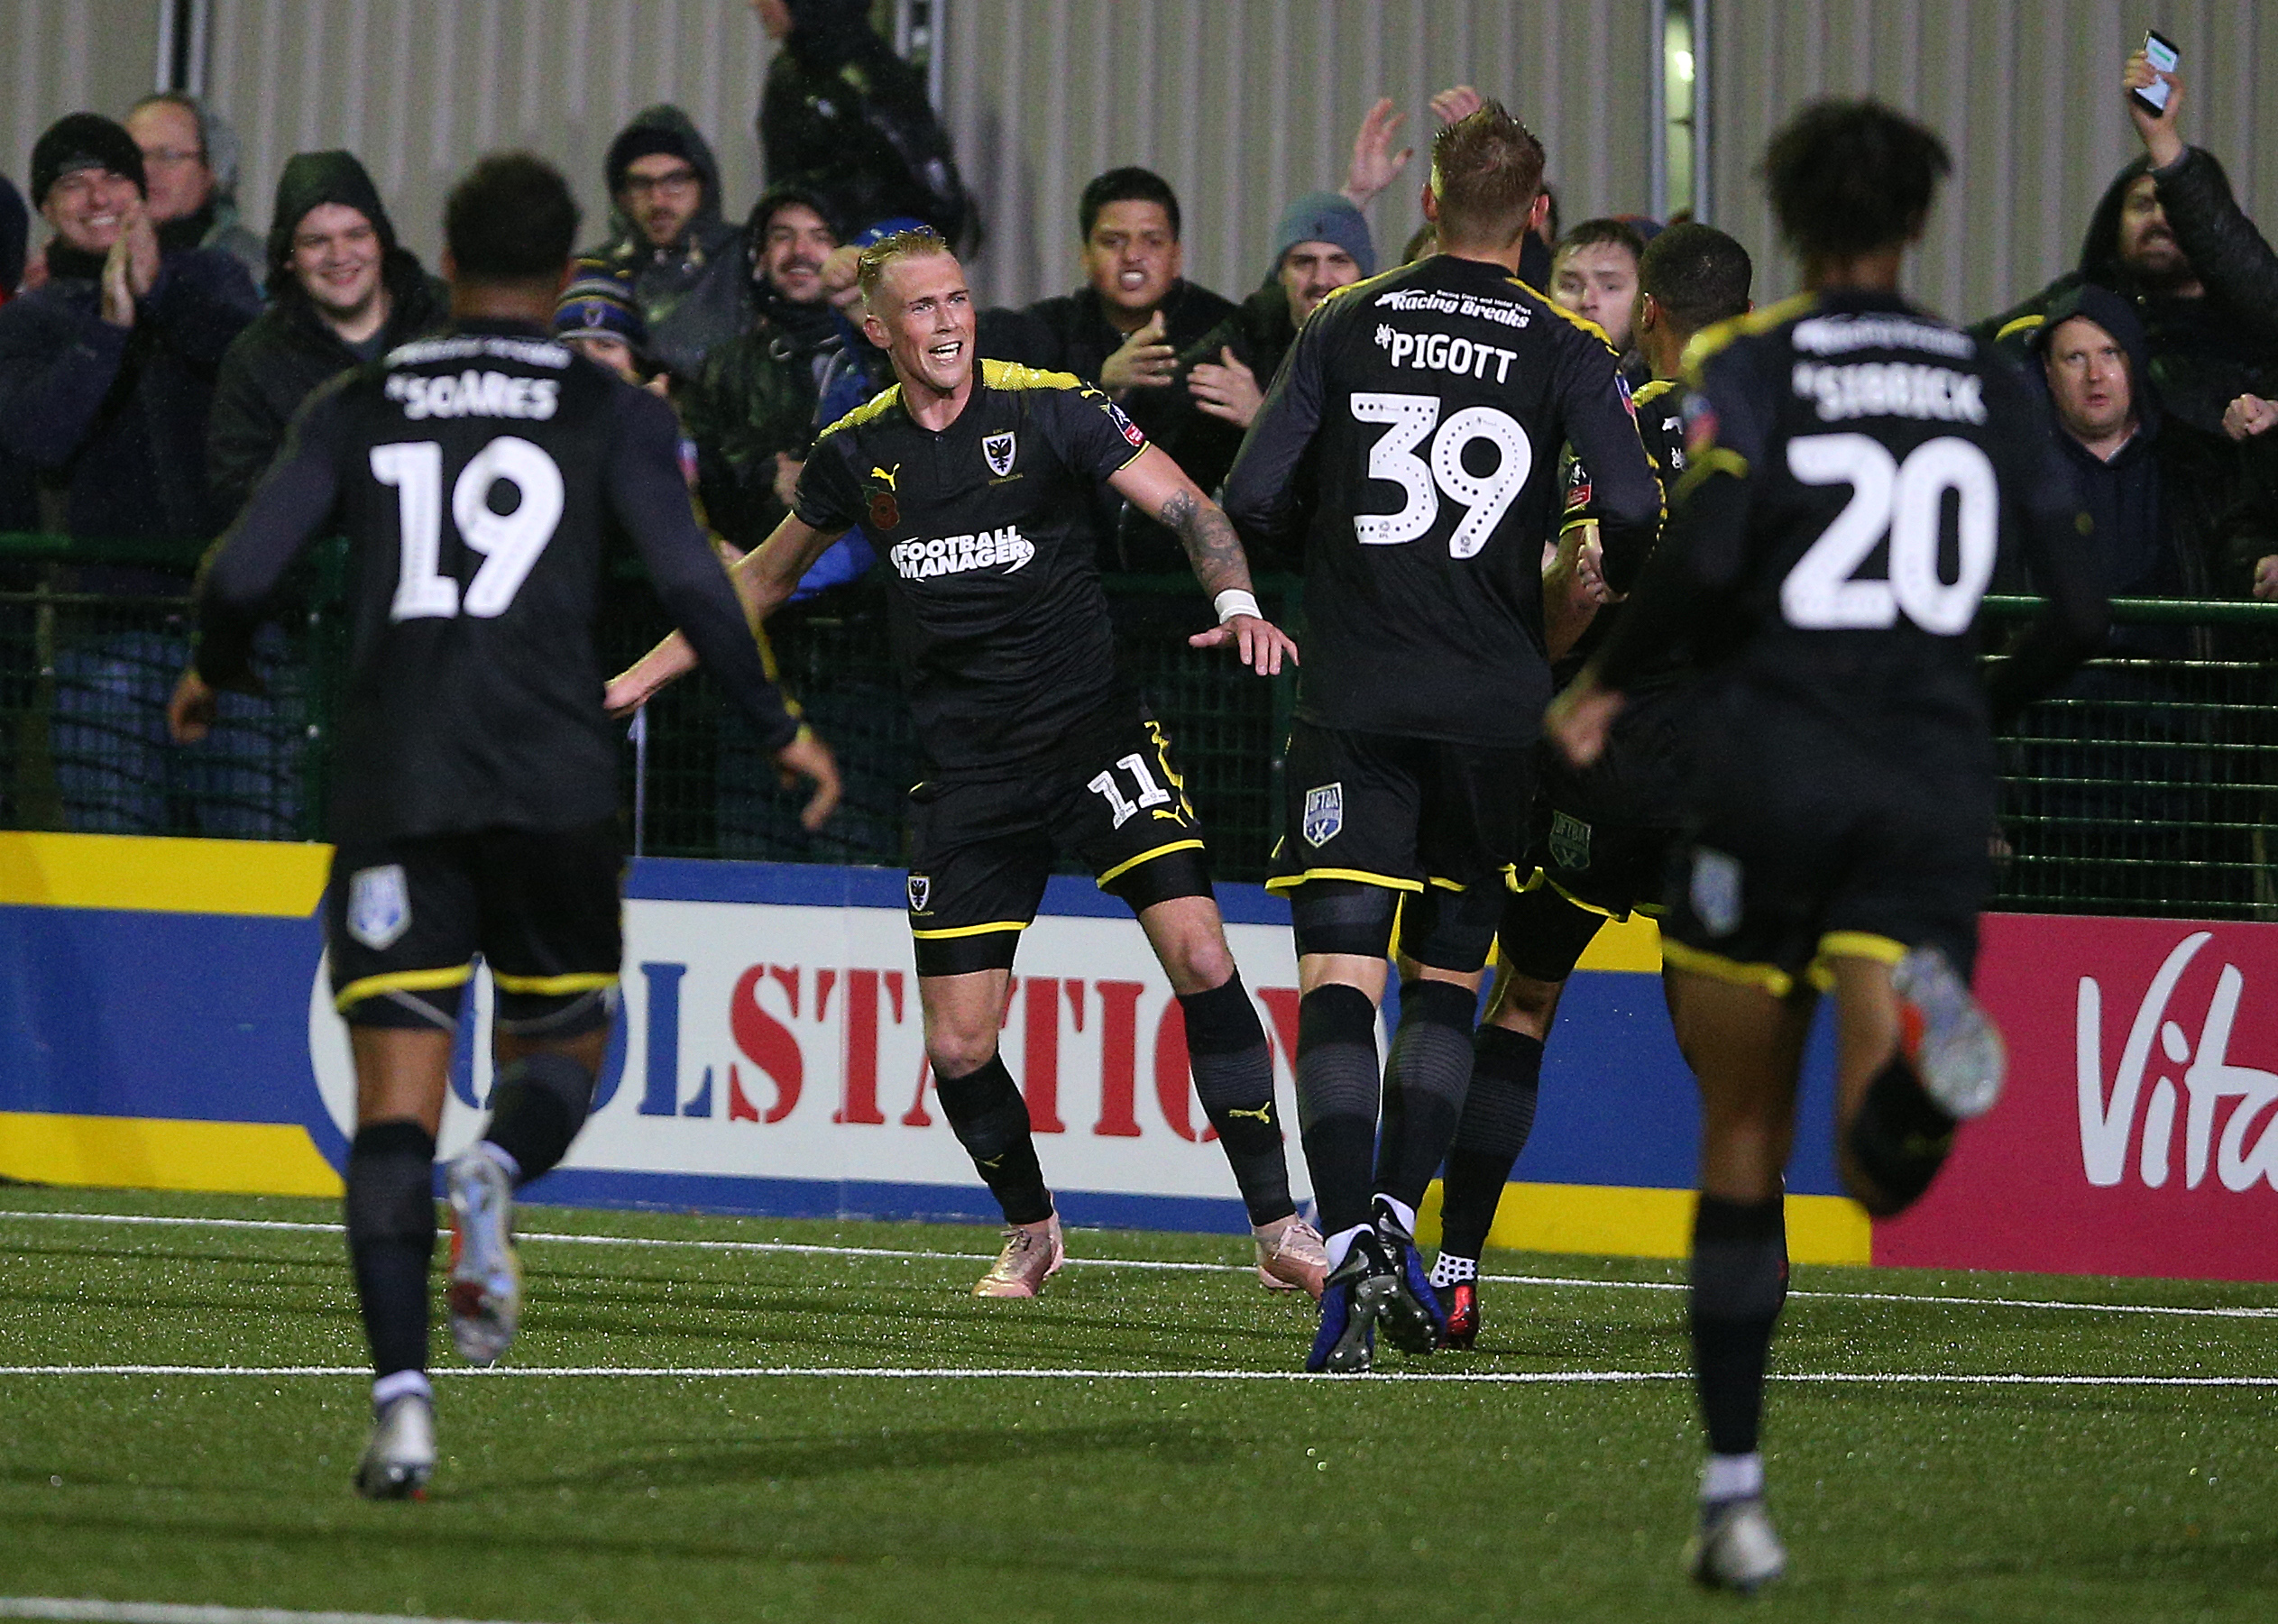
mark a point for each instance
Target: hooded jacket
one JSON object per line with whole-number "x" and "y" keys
{"x": 694, "y": 293}
{"x": 842, "y": 115}
{"x": 113, "y": 419}
{"x": 2203, "y": 353}
{"x": 278, "y": 362}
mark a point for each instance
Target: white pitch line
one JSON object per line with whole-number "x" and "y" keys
{"x": 808, "y": 1248}
{"x": 169, "y": 1612}
{"x": 952, "y": 1373}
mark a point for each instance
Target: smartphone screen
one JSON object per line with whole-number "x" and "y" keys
{"x": 2160, "y": 52}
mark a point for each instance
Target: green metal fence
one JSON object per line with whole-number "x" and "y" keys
{"x": 2150, "y": 785}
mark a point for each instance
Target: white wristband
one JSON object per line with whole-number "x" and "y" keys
{"x": 1234, "y": 601}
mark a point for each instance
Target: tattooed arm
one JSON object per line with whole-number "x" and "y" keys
{"x": 1155, "y": 485}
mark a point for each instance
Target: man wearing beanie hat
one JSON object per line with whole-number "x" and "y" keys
{"x": 1320, "y": 243}
{"x": 688, "y": 264}
{"x": 107, "y": 378}
{"x": 597, "y": 317}
{"x": 343, "y": 291}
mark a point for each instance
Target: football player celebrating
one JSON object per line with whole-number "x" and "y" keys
{"x": 1607, "y": 841}
{"x": 476, "y": 806}
{"x": 1856, "y": 467}
{"x": 977, "y": 485}
{"x": 1431, "y": 402}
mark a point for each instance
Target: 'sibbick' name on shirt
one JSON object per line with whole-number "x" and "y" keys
{"x": 1891, "y": 389}
{"x": 955, "y": 554}
{"x": 474, "y": 395}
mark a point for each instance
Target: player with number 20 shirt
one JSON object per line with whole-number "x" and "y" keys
{"x": 1424, "y": 410}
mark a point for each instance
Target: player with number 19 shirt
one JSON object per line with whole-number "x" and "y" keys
{"x": 1420, "y": 413}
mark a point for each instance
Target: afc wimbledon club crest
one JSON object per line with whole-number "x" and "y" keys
{"x": 1716, "y": 891}
{"x": 378, "y": 906}
{"x": 1324, "y": 813}
{"x": 999, "y": 450}
{"x": 922, "y": 885}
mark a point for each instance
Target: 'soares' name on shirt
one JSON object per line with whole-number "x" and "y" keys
{"x": 957, "y": 555}
{"x": 474, "y": 395}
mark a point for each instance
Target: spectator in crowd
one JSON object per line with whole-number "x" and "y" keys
{"x": 1594, "y": 274}
{"x": 1320, "y": 243}
{"x": 842, "y": 116}
{"x": 2249, "y": 420}
{"x": 106, "y": 376}
{"x": 190, "y": 159}
{"x": 2169, "y": 236}
{"x": 597, "y": 317}
{"x": 686, "y": 262}
{"x": 342, "y": 291}
{"x": 15, "y": 232}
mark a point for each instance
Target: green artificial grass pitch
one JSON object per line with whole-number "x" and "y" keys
{"x": 2041, "y": 1449}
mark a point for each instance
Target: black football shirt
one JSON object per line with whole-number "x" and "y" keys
{"x": 1418, "y": 417}
{"x": 989, "y": 542}
{"x": 478, "y": 476}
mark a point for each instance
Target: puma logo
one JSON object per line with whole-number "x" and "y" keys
{"x": 880, "y": 473}
{"x": 1263, "y": 1113}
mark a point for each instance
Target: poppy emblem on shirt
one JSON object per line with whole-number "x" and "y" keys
{"x": 884, "y": 511}
{"x": 999, "y": 450}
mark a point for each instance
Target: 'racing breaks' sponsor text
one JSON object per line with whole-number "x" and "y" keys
{"x": 957, "y": 555}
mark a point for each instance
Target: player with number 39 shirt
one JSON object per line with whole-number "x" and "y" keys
{"x": 1429, "y": 405}
{"x": 977, "y": 480}
{"x": 1856, "y": 467}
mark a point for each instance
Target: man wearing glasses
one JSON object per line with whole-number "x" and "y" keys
{"x": 685, "y": 262}
{"x": 190, "y": 159}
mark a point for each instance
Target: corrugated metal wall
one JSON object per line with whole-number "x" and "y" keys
{"x": 61, "y": 56}
{"x": 1242, "y": 103}
{"x": 1243, "y": 106}
{"x": 2025, "y": 92}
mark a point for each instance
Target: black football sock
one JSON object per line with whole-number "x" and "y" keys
{"x": 1740, "y": 1280}
{"x": 537, "y": 1108}
{"x": 990, "y": 1119}
{"x": 1337, "y": 1088}
{"x": 1499, "y": 1112}
{"x": 1899, "y": 1139}
{"x": 390, "y": 1214}
{"x": 1233, "y": 1080}
{"x": 1425, "y": 1081}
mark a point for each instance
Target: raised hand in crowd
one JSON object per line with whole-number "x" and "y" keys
{"x": 1144, "y": 361}
{"x": 1375, "y": 165}
{"x": 1229, "y": 390}
{"x": 2248, "y": 416}
{"x": 1456, "y": 102}
{"x": 2161, "y": 138}
{"x": 130, "y": 270}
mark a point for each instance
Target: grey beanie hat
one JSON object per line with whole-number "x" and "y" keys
{"x": 1325, "y": 217}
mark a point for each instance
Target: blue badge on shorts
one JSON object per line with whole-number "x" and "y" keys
{"x": 1569, "y": 843}
{"x": 378, "y": 906}
{"x": 1716, "y": 891}
{"x": 1324, "y": 813}
{"x": 921, "y": 892}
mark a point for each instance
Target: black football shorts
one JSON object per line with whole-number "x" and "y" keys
{"x": 980, "y": 850}
{"x": 1811, "y": 846}
{"x": 1403, "y": 813}
{"x": 404, "y": 919}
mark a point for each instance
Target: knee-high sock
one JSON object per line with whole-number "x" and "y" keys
{"x": 990, "y": 1119}
{"x": 537, "y": 1108}
{"x": 1499, "y": 1112}
{"x": 1900, "y": 1139}
{"x": 1337, "y": 1088}
{"x": 1425, "y": 1081}
{"x": 391, "y": 1217}
{"x": 1233, "y": 1080}
{"x": 1739, "y": 1280}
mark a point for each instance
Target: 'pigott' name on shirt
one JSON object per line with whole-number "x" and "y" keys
{"x": 1445, "y": 355}
{"x": 474, "y": 395}
{"x": 1891, "y": 389}
{"x": 955, "y": 554}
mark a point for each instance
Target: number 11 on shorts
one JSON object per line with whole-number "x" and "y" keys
{"x": 1151, "y": 794}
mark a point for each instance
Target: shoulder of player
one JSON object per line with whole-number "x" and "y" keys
{"x": 1011, "y": 377}
{"x": 1339, "y": 304}
{"x": 869, "y": 411}
{"x": 1578, "y": 326}
{"x": 1712, "y": 344}
{"x": 1655, "y": 389}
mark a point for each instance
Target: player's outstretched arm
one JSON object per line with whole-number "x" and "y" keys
{"x": 1157, "y": 486}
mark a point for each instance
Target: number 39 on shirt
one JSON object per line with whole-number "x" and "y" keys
{"x": 1408, "y": 419}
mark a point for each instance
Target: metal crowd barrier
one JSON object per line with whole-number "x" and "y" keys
{"x": 2148, "y": 786}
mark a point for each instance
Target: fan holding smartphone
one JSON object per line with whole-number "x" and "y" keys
{"x": 2154, "y": 96}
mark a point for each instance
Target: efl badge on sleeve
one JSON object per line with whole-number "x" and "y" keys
{"x": 999, "y": 450}
{"x": 1716, "y": 891}
{"x": 1569, "y": 843}
{"x": 378, "y": 906}
{"x": 1324, "y": 813}
{"x": 1699, "y": 426}
{"x": 1130, "y": 430}
{"x": 921, "y": 892}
